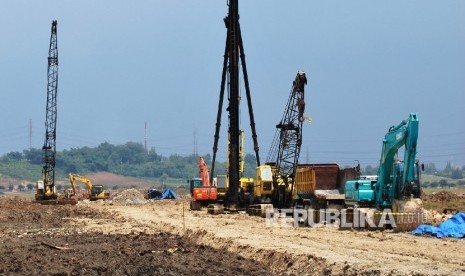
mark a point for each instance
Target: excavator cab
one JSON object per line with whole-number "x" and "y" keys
{"x": 97, "y": 192}
{"x": 195, "y": 183}
{"x": 97, "y": 189}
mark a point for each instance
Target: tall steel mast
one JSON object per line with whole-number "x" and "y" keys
{"x": 49, "y": 148}
{"x": 234, "y": 51}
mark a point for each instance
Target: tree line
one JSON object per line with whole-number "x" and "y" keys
{"x": 130, "y": 159}
{"x": 455, "y": 173}
{"x": 430, "y": 168}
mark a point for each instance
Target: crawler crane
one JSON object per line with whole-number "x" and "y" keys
{"x": 285, "y": 150}
{"x": 275, "y": 181}
{"x": 45, "y": 188}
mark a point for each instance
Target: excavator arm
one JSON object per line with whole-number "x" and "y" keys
{"x": 84, "y": 180}
{"x": 408, "y": 176}
{"x": 395, "y": 178}
{"x": 203, "y": 172}
{"x": 72, "y": 181}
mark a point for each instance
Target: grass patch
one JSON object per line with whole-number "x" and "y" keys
{"x": 434, "y": 178}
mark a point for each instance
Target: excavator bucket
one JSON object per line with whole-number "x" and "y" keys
{"x": 408, "y": 214}
{"x": 405, "y": 216}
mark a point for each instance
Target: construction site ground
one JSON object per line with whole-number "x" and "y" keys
{"x": 138, "y": 237}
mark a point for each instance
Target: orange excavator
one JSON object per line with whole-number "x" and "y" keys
{"x": 202, "y": 191}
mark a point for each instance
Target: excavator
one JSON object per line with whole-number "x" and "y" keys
{"x": 202, "y": 192}
{"x": 396, "y": 186}
{"x": 95, "y": 192}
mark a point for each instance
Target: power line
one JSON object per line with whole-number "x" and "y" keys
{"x": 30, "y": 134}
{"x": 145, "y": 138}
{"x": 195, "y": 142}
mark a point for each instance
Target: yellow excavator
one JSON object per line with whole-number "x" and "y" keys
{"x": 95, "y": 192}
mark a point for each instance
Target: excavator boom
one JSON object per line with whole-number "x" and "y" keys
{"x": 203, "y": 172}
{"x": 387, "y": 186}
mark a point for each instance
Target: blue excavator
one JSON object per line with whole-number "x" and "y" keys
{"x": 396, "y": 187}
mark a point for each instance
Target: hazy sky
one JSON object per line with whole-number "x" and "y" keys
{"x": 123, "y": 63}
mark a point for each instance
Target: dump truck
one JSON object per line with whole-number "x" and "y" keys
{"x": 321, "y": 186}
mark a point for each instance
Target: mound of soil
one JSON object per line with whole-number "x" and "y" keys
{"x": 53, "y": 240}
{"x": 444, "y": 201}
{"x": 26, "y": 214}
{"x": 128, "y": 197}
{"x": 441, "y": 196}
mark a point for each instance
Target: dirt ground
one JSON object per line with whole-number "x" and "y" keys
{"x": 166, "y": 238}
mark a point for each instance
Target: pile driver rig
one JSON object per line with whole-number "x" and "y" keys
{"x": 233, "y": 53}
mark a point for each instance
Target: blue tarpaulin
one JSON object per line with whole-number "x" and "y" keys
{"x": 454, "y": 227}
{"x": 156, "y": 194}
{"x": 169, "y": 194}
